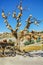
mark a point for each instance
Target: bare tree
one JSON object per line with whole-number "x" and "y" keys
{"x": 29, "y": 21}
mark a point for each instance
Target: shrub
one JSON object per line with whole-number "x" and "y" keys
{"x": 38, "y": 39}
{"x": 28, "y": 42}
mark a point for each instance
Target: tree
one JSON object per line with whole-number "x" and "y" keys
{"x": 29, "y": 21}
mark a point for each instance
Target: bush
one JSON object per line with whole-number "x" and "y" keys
{"x": 11, "y": 42}
{"x": 38, "y": 39}
{"x": 28, "y": 42}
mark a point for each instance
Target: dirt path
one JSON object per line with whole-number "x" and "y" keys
{"x": 20, "y": 60}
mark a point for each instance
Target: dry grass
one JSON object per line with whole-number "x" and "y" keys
{"x": 32, "y": 47}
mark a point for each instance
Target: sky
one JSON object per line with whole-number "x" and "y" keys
{"x": 34, "y": 7}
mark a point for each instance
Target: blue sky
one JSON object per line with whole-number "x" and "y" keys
{"x": 35, "y": 8}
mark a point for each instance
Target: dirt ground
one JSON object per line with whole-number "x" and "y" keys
{"x": 20, "y": 60}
